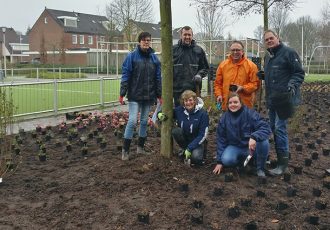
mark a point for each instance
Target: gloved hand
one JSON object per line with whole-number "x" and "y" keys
{"x": 261, "y": 75}
{"x": 197, "y": 79}
{"x": 121, "y": 100}
{"x": 291, "y": 90}
{"x": 218, "y": 105}
{"x": 187, "y": 154}
{"x": 161, "y": 116}
{"x": 160, "y": 100}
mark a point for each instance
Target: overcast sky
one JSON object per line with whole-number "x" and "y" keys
{"x": 20, "y": 14}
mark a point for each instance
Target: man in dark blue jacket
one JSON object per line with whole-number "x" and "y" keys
{"x": 189, "y": 65}
{"x": 283, "y": 76}
{"x": 141, "y": 81}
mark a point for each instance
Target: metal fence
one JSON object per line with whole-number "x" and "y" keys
{"x": 58, "y": 96}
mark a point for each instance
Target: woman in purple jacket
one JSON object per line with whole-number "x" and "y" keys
{"x": 241, "y": 131}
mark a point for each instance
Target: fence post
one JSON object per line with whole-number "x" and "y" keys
{"x": 59, "y": 72}
{"x": 12, "y": 72}
{"x": 101, "y": 91}
{"x": 37, "y": 74}
{"x": 79, "y": 72}
{"x": 55, "y": 97}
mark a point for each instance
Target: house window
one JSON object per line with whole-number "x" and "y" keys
{"x": 81, "y": 39}
{"x": 90, "y": 40}
{"x": 45, "y": 20}
{"x": 70, "y": 22}
{"x": 74, "y": 39}
{"x": 102, "y": 39}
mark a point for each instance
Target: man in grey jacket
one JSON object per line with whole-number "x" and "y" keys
{"x": 283, "y": 76}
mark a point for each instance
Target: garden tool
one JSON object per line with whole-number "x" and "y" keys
{"x": 248, "y": 158}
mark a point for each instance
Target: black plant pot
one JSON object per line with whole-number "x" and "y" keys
{"x": 297, "y": 170}
{"x": 261, "y": 193}
{"x": 286, "y": 177}
{"x": 308, "y": 162}
{"x": 317, "y": 192}
{"x": 320, "y": 204}
{"x": 184, "y": 187}
{"x": 234, "y": 212}
{"x": 69, "y": 148}
{"x": 315, "y": 155}
{"x": 143, "y": 218}
{"x": 42, "y": 157}
{"x": 291, "y": 191}
{"x": 197, "y": 218}
{"x": 217, "y": 191}
{"x": 229, "y": 177}
{"x": 326, "y": 151}
{"x": 246, "y": 202}
{"x": 252, "y": 225}
{"x": 313, "y": 220}
{"x": 281, "y": 206}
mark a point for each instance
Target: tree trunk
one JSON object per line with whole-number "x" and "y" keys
{"x": 167, "y": 77}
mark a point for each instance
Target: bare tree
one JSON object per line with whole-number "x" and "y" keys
{"x": 167, "y": 77}
{"x": 324, "y": 28}
{"x": 211, "y": 20}
{"x": 259, "y": 33}
{"x": 300, "y": 35}
{"x": 278, "y": 19}
{"x": 122, "y": 12}
{"x": 245, "y": 7}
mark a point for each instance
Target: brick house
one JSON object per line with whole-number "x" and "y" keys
{"x": 15, "y": 46}
{"x": 63, "y": 37}
{"x": 154, "y": 30}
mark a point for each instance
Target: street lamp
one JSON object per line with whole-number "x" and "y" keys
{"x": 3, "y": 50}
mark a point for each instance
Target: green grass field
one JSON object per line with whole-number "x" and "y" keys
{"x": 32, "y": 98}
{"x": 42, "y": 97}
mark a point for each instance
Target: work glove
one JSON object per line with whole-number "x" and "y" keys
{"x": 187, "y": 154}
{"x": 291, "y": 90}
{"x": 261, "y": 75}
{"x": 197, "y": 79}
{"x": 161, "y": 116}
{"x": 160, "y": 100}
{"x": 121, "y": 100}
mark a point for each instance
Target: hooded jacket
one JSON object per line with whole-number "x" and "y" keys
{"x": 236, "y": 128}
{"x": 188, "y": 61}
{"x": 195, "y": 124}
{"x": 141, "y": 77}
{"x": 242, "y": 73}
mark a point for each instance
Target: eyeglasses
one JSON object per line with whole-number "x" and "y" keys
{"x": 235, "y": 50}
{"x": 146, "y": 40}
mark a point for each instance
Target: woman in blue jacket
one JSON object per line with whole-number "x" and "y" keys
{"x": 192, "y": 127}
{"x": 241, "y": 131}
{"x": 141, "y": 82}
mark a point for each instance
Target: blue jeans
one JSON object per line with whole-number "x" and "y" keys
{"x": 235, "y": 156}
{"x": 133, "y": 109}
{"x": 279, "y": 129}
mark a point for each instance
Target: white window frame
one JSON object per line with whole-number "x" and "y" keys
{"x": 90, "y": 40}
{"x": 81, "y": 39}
{"x": 45, "y": 20}
{"x": 74, "y": 39}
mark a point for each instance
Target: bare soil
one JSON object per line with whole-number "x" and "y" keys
{"x": 100, "y": 191}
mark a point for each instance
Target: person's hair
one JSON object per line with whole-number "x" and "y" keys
{"x": 234, "y": 94}
{"x": 237, "y": 42}
{"x": 186, "y": 95}
{"x": 143, "y": 35}
{"x": 271, "y": 31}
{"x": 185, "y": 28}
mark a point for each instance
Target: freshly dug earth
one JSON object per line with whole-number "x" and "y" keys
{"x": 100, "y": 191}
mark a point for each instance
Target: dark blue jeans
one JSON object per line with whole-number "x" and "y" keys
{"x": 196, "y": 154}
{"x": 279, "y": 129}
{"x": 235, "y": 156}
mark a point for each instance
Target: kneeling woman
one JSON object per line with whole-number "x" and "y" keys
{"x": 193, "y": 125}
{"x": 240, "y": 132}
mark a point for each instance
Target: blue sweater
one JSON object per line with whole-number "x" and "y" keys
{"x": 237, "y": 128}
{"x": 195, "y": 124}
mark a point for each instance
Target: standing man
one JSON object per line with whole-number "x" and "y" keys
{"x": 236, "y": 74}
{"x": 141, "y": 81}
{"x": 283, "y": 76}
{"x": 189, "y": 63}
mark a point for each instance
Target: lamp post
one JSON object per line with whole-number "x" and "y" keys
{"x": 3, "y": 51}
{"x": 302, "y": 44}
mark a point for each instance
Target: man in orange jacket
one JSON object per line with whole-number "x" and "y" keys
{"x": 236, "y": 74}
